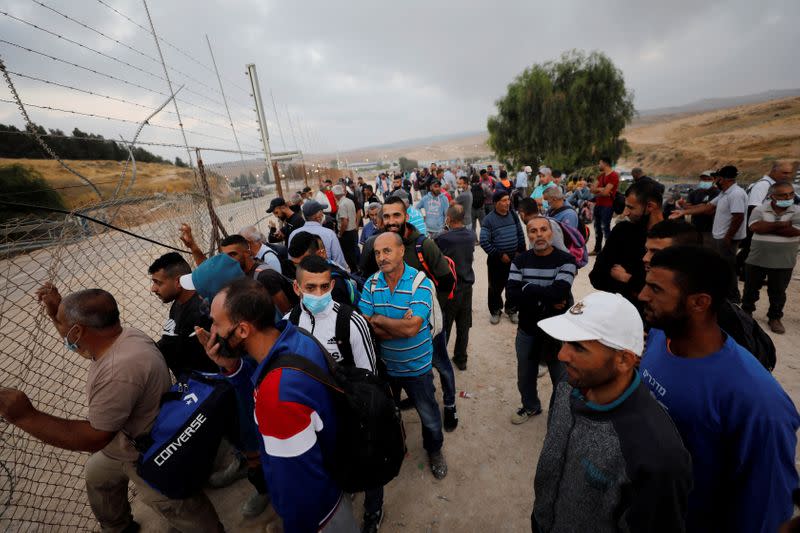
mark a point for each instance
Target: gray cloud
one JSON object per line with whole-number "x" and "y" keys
{"x": 361, "y": 73}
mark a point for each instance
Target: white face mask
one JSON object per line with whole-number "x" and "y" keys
{"x": 71, "y": 346}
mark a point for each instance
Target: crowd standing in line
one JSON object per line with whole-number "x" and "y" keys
{"x": 662, "y": 417}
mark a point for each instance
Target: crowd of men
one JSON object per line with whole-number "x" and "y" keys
{"x": 659, "y": 420}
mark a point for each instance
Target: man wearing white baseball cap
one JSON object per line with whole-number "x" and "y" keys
{"x": 612, "y": 458}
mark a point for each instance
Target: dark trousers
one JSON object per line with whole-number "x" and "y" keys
{"x": 349, "y": 242}
{"x": 533, "y": 350}
{"x": 777, "y": 282}
{"x": 498, "y": 278}
{"x": 442, "y": 363}
{"x": 459, "y": 310}
{"x": 728, "y": 253}
{"x": 373, "y": 500}
{"x": 421, "y": 391}
{"x": 478, "y": 214}
{"x": 602, "y": 224}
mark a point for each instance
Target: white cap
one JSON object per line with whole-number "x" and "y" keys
{"x": 601, "y": 316}
{"x": 528, "y": 169}
{"x": 186, "y": 282}
{"x": 545, "y": 171}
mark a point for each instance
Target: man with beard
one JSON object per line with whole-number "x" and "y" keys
{"x": 291, "y": 219}
{"x": 540, "y": 286}
{"x": 234, "y": 246}
{"x": 294, "y": 412}
{"x": 735, "y": 419}
{"x": 436, "y": 267}
{"x": 463, "y": 197}
{"x": 619, "y": 268}
{"x": 181, "y": 351}
{"x": 612, "y": 459}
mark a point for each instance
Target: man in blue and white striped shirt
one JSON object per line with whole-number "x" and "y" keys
{"x": 398, "y": 301}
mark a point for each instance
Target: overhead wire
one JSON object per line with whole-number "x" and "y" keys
{"x": 131, "y": 48}
{"x": 138, "y": 142}
{"x": 107, "y": 117}
{"x": 165, "y": 41}
{"x": 108, "y": 76}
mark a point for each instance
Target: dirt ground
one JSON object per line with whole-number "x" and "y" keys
{"x": 491, "y": 462}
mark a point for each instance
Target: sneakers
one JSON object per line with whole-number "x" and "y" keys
{"x": 236, "y": 470}
{"x": 450, "y": 418}
{"x": 405, "y": 404}
{"x": 372, "y": 522}
{"x": 494, "y": 318}
{"x": 776, "y": 326}
{"x": 438, "y": 464}
{"x": 523, "y": 415}
{"x": 255, "y": 505}
{"x": 461, "y": 365}
{"x": 513, "y": 317}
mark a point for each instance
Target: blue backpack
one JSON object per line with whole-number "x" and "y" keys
{"x": 178, "y": 453}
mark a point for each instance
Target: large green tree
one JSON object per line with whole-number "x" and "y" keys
{"x": 564, "y": 113}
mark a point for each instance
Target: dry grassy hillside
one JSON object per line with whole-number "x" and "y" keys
{"x": 150, "y": 178}
{"x": 748, "y": 136}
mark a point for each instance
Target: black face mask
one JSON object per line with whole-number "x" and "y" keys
{"x": 226, "y": 350}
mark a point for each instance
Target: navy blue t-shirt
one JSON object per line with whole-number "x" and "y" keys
{"x": 740, "y": 428}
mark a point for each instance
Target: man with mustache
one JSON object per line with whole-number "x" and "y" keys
{"x": 539, "y": 285}
{"x": 398, "y": 302}
{"x": 734, "y": 418}
{"x": 435, "y": 266}
{"x": 618, "y": 267}
{"x": 612, "y": 459}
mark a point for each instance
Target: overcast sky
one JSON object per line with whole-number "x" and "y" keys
{"x": 355, "y": 74}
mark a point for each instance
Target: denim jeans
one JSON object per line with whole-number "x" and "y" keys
{"x": 531, "y": 351}
{"x": 602, "y": 224}
{"x": 442, "y": 363}
{"x": 420, "y": 390}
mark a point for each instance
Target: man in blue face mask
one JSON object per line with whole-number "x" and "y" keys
{"x": 773, "y": 252}
{"x": 343, "y": 332}
{"x": 700, "y": 195}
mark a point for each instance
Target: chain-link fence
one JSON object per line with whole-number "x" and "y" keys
{"x": 42, "y": 487}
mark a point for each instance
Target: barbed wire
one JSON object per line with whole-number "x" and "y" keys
{"x": 165, "y": 41}
{"x": 109, "y": 97}
{"x": 133, "y": 49}
{"x": 108, "y": 117}
{"x": 108, "y": 76}
{"x": 145, "y": 143}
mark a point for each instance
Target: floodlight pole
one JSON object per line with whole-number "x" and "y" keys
{"x": 262, "y": 124}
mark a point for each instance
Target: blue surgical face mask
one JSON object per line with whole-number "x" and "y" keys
{"x": 705, "y": 184}
{"x": 71, "y": 346}
{"x": 784, "y": 203}
{"x": 315, "y": 303}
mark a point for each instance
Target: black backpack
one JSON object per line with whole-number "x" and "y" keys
{"x": 341, "y": 330}
{"x": 478, "y": 196}
{"x": 370, "y": 437}
{"x": 747, "y": 333}
{"x": 178, "y": 452}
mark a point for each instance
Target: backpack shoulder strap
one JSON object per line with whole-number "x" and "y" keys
{"x": 342, "y": 332}
{"x": 301, "y": 364}
{"x": 294, "y": 314}
{"x": 421, "y": 256}
{"x": 418, "y": 279}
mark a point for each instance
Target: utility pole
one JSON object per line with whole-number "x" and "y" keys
{"x": 262, "y": 124}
